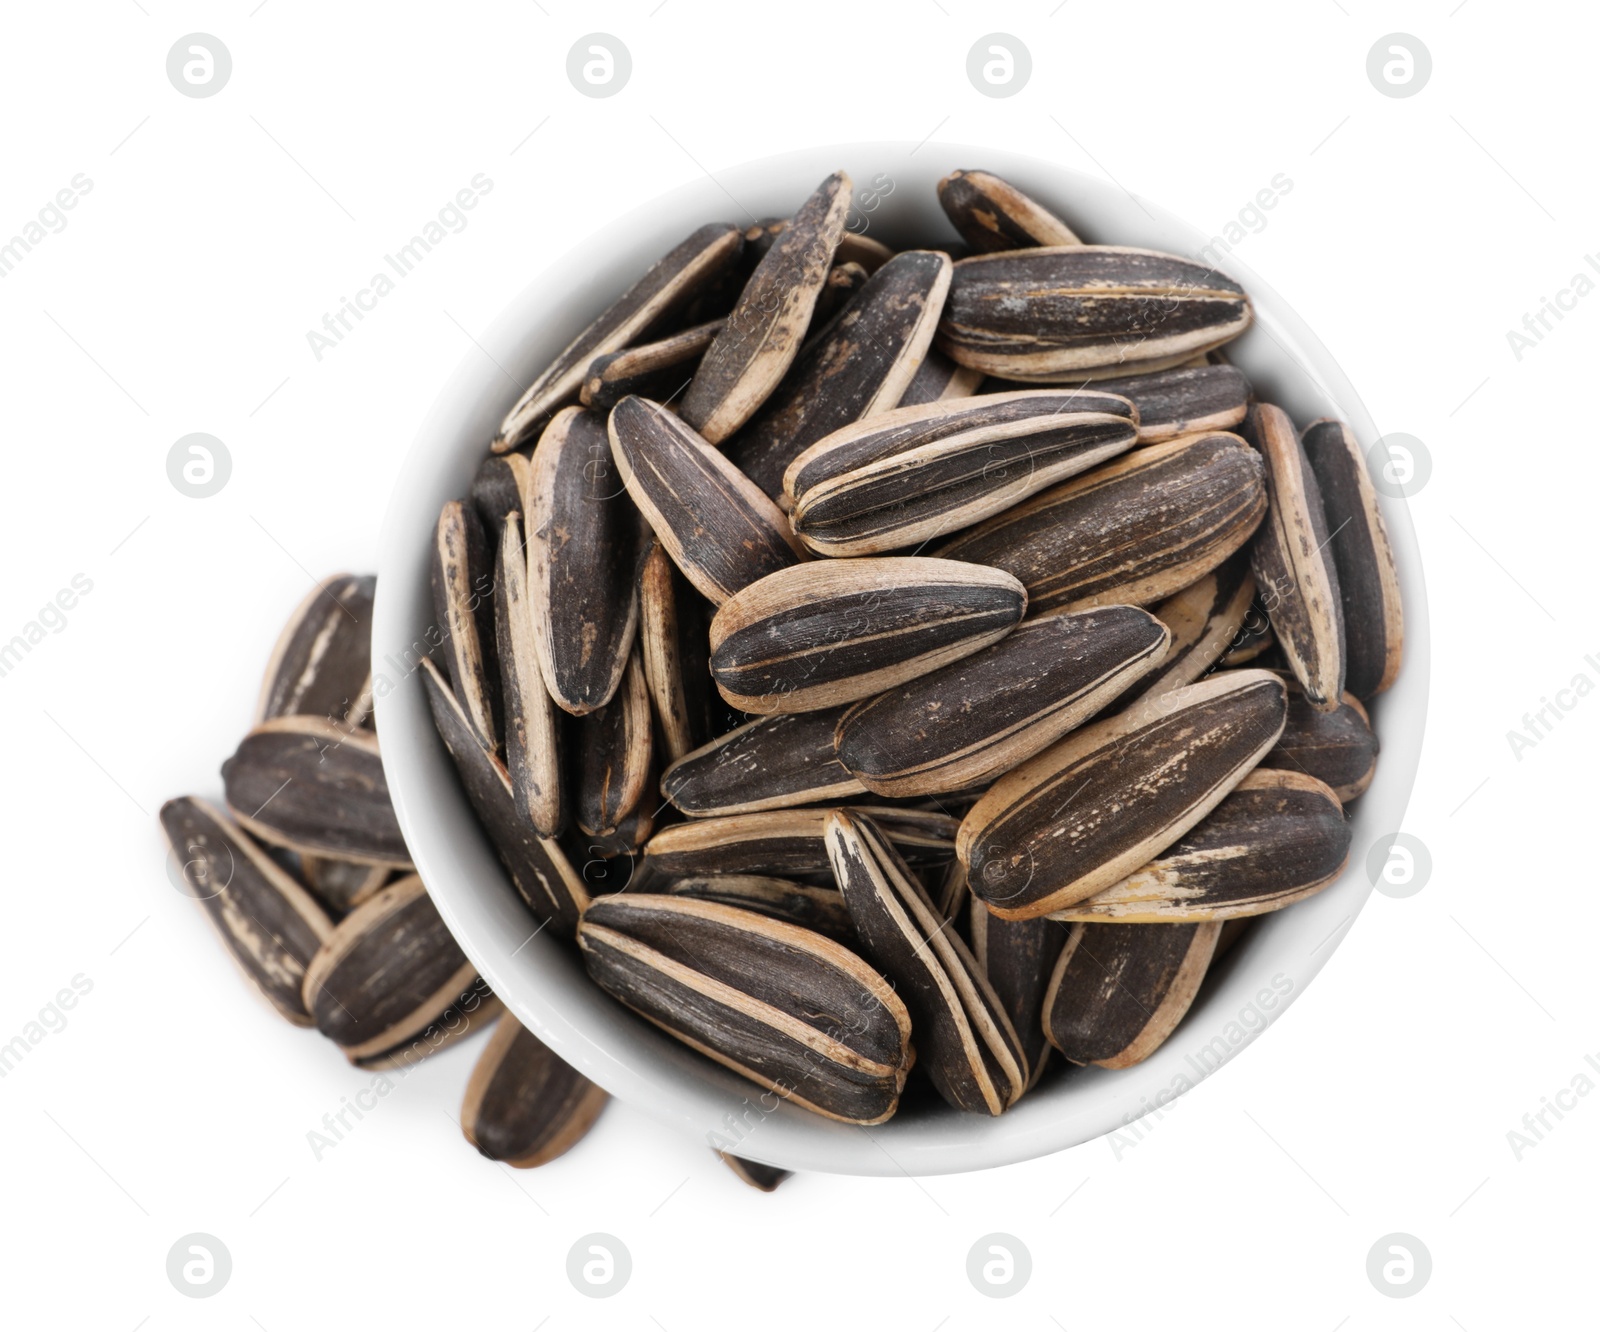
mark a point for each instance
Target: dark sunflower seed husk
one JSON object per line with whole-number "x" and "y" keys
{"x": 497, "y": 488}
{"x": 270, "y": 924}
{"x": 917, "y": 473}
{"x": 462, "y": 575}
{"x": 674, "y": 622}
{"x": 964, "y": 1038}
{"x": 713, "y": 520}
{"x": 1134, "y": 531}
{"x": 789, "y": 842}
{"x": 771, "y": 763}
{"x": 968, "y": 722}
{"x": 322, "y": 664}
{"x": 342, "y": 885}
{"x": 672, "y": 282}
{"x": 582, "y": 537}
{"x": 1369, "y": 586}
{"x": 1279, "y": 837}
{"x": 1118, "y": 991}
{"x": 547, "y": 882}
{"x": 478, "y": 1007}
{"x": 765, "y": 329}
{"x": 316, "y": 788}
{"x": 1186, "y": 401}
{"x": 858, "y": 367}
{"x": 754, "y": 1173}
{"x": 842, "y": 283}
{"x": 1016, "y": 958}
{"x": 1205, "y": 619}
{"x": 1098, "y": 805}
{"x": 856, "y": 247}
{"x": 524, "y": 1105}
{"x": 658, "y": 370}
{"x": 807, "y": 905}
{"x": 388, "y": 970}
{"x": 1336, "y": 747}
{"x": 1067, "y": 313}
{"x": 993, "y": 215}
{"x": 531, "y": 723}
{"x": 939, "y": 378}
{"x": 1254, "y": 638}
{"x": 1296, "y": 580}
{"x": 832, "y": 631}
{"x": 784, "y": 1007}
{"x": 611, "y": 754}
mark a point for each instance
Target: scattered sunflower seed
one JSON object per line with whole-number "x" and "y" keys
{"x": 754, "y": 1173}
{"x": 322, "y": 664}
{"x": 524, "y": 1105}
{"x": 342, "y": 885}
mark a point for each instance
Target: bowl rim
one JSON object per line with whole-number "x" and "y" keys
{"x": 544, "y": 986}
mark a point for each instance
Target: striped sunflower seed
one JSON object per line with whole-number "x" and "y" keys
{"x": 993, "y": 215}
{"x": 833, "y": 631}
{"x": 856, "y": 247}
{"x": 789, "y": 842}
{"x": 754, "y": 1173}
{"x": 645, "y": 308}
{"x": 1369, "y": 586}
{"x": 342, "y": 885}
{"x": 1074, "y": 312}
{"x": 771, "y": 763}
{"x": 462, "y": 575}
{"x": 1106, "y": 800}
{"x": 322, "y": 663}
{"x": 270, "y": 924}
{"x": 1336, "y": 747}
{"x": 1279, "y": 837}
{"x": 785, "y": 1007}
{"x": 659, "y": 370}
{"x": 497, "y": 488}
{"x": 713, "y": 520}
{"x": 524, "y": 1105}
{"x": 967, "y": 722}
{"x": 1294, "y": 569}
{"x": 939, "y": 378}
{"x": 673, "y": 626}
{"x": 764, "y": 331}
{"x": 612, "y": 752}
{"x": 1186, "y": 401}
{"x": 532, "y": 728}
{"x": 539, "y": 868}
{"x": 807, "y": 905}
{"x": 917, "y": 473}
{"x": 964, "y": 1038}
{"x": 858, "y": 367}
{"x": 475, "y": 1010}
{"x": 1205, "y": 620}
{"x": 1255, "y": 643}
{"x": 316, "y": 788}
{"x": 1016, "y": 957}
{"x": 1134, "y": 531}
{"x": 1118, "y": 991}
{"x": 841, "y": 284}
{"x": 582, "y": 538}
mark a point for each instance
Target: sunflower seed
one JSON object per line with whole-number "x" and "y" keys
{"x": 763, "y": 334}
{"x": 1369, "y": 587}
{"x": 856, "y": 247}
{"x": 497, "y": 488}
{"x": 1016, "y": 958}
{"x": 1118, "y": 991}
{"x": 270, "y": 924}
{"x": 964, "y": 1038}
{"x": 784, "y": 1007}
{"x": 1185, "y": 401}
{"x": 968, "y": 722}
{"x": 1337, "y": 747}
{"x": 754, "y": 1173}
{"x": 342, "y": 885}
{"x": 652, "y": 370}
{"x": 1254, "y": 639}
{"x": 770, "y": 763}
{"x": 387, "y": 971}
{"x": 462, "y": 575}
{"x": 532, "y": 730}
{"x": 543, "y": 876}
{"x": 524, "y": 1105}
{"x": 948, "y": 890}
{"x": 477, "y": 1008}
{"x": 316, "y": 788}
{"x": 1134, "y": 531}
{"x": 841, "y": 284}
{"x": 857, "y": 368}
{"x": 673, "y": 626}
{"x": 917, "y": 473}
{"x": 1275, "y": 840}
{"x": 714, "y": 521}
{"x": 322, "y": 664}
{"x": 993, "y": 215}
{"x": 1294, "y": 569}
{"x": 645, "y": 308}
{"x": 939, "y": 378}
{"x": 807, "y": 905}
{"x": 1205, "y": 620}
{"x": 583, "y": 551}
{"x": 832, "y": 631}
{"x": 788, "y": 842}
{"x": 612, "y": 752}
{"x": 1101, "y": 803}
{"x": 1086, "y": 311}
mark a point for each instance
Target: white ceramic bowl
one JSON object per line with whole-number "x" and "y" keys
{"x": 542, "y": 979}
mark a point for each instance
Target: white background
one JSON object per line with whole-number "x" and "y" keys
{"x": 217, "y": 233}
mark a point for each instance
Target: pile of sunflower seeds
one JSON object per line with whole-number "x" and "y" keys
{"x": 870, "y": 658}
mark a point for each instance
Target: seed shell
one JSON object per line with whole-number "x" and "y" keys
{"x": 993, "y": 215}
{"x": 1118, "y": 991}
{"x": 657, "y": 370}
{"x": 674, "y": 622}
{"x": 477, "y": 1007}
{"x": 1255, "y": 639}
{"x": 841, "y": 284}
{"x": 1098, "y": 805}
{"x": 342, "y": 885}
{"x": 807, "y": 905}
{"x": 1016, "y": 957}
{"x": 784, "y": 1007}
{"x": 833, "y": 631}
{"x": 789, "y": 842}
{"x": 612, "y": 752}
{"x": 856, "y": 247}
{"x": 462, "y": 576}
{"x": 1206, "y": 619}
{"x": 532, "y": 731}
{"x": 524, "y": 1105}
{"x": 497, "y": 488}
{"x": 1133, "y": 531}
{"x": 771, "y": 763}
{"x": 754, "y": 1173}
{"x": 764, "y": 331}
{"x": 1337, "y": 747}
{"x": 1186, "y": 401}
{"x": 939, "y": 378}
{"x": 322, "y": 664}
{"x": 672, "y": 282}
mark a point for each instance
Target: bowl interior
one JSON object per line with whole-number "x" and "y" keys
{"x": 541, "y": 977}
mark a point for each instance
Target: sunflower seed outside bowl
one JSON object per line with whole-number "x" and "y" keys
{"x": 754, "y": 1173}
{"x": 524, "y": 1105}
{"x": 342, "y": 885}
{"x": 771, "y": 763}
{"x": 322, "y": 664}
{"x": 992, "y": 214}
